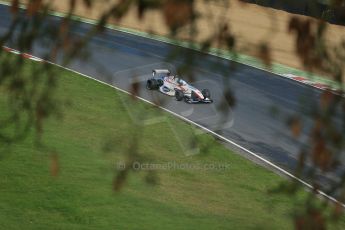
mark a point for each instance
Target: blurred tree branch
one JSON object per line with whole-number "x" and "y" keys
{"x": 31, "y": 99}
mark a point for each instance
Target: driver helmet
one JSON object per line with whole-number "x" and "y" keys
{"x": 179, "y": 81}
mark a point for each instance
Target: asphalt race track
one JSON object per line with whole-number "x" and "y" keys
{"x": 116, "y": 57}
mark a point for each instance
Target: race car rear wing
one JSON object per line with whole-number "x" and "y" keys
{"x": 160, "y": 71}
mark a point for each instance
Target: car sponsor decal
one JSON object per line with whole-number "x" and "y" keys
{"x": 165, "y": 89}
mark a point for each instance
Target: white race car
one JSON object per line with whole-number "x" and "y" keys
{"x": 168, "y": 84}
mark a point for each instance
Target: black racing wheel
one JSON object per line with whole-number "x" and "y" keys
{"x": 152, "y": 84}
{"x": 179, "y": 95}
{"x": 206, "y": 93}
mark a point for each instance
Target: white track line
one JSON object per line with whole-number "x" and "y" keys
{"x": 196, "y": 124}
{"x": 281, "y": 170}
{"x": 307, "y": 83}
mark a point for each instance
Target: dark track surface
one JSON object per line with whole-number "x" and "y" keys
{"x": 314, "y": 8}
{"x": 251, "y": 123}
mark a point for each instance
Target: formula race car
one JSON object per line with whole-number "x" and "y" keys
{"x": 168, "y": 84}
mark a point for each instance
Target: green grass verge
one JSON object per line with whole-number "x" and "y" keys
{"x": 81, "y": 196}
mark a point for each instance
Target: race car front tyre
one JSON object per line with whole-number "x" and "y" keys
{"x": 152, "y": 84}
{"x": 206, "y": 93}
{"x": 179, "y": 95}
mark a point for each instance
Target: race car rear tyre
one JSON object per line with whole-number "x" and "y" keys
{"x": 152, "y": 84}
{"x": 206, "y": 93}
{"x": 179, "y": 95}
